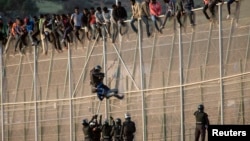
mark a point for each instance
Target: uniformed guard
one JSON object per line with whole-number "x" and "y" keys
{"x": 128, "y": 128}
{"x": 86, "y": 130}
{"x": 106, "y": 131}
{"x": 96, "y": 128}
{"x": 202, "y": 123}
{"x": 116, "y": 129}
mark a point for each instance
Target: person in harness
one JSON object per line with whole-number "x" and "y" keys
{"x": 103, "y": 91}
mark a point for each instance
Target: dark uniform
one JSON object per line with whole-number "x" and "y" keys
{"x": 128, "y": 129}
{"x": 106, "y": 131}
{"x": 202, "y": 123}
{"x": 116, "y": 130}
{"x": 87, "y": 131}
{"x": 96, "y": 128}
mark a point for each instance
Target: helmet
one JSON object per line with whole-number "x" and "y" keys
{"x": 98, "y": 67}
{"x": 200, "y": 107}
{"x": 118, "y": 120}
{"x": 127, "y": 115}
{"x": 106, "y": 122}
{"x": 85, "y": 121}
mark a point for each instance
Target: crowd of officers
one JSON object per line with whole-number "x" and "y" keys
{"x": 116, "y": 130}
{"x": 98, "y": 23}
{"x": 110, "y": 130}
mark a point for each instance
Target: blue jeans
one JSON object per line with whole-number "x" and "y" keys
{"x": 167, "y": 16}
{"x": 145, "y": 20}
{"x": 190, "y": 14}
{"x": 132, "y": 25}
{"x": 156, "y": 19}
{"x": 67, "y": 31}
{"x": 93, "y": 31}
{"x": 114, "y": 33}
{"x": 229, "y": 2}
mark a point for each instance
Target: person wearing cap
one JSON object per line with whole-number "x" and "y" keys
{"x": 202, "y": 123}
{"x": 103, "y": 91}
{"x": 128, "y": 128}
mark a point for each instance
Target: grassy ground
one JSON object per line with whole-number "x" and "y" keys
{"x": 49, "y": 7}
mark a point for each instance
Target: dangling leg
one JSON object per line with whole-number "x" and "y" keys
{"x": 114, "y": 92}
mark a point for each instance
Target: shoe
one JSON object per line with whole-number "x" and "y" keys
{"x": 160, "y": 31}
{"x": 33, "y": 44}
{"x": 119, "y": 96}
{"x": 94, "y": 90}
{"x": 228, "y": 16}
{"x": 148, "y": 34}
{"x": 37, "y": 42}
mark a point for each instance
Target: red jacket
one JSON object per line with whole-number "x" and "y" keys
{"x": 155, "y": 9}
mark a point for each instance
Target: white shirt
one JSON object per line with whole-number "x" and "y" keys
{"x": 77, "y": 19}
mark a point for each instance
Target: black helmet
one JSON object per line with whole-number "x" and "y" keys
{"x": 106, "y": 122}
{"x": 201, "y": 107}
{"x": 85, "y": 122}
{"x": 98, "y": 67}
{"x": 118, "y": 120}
